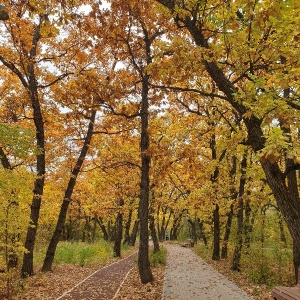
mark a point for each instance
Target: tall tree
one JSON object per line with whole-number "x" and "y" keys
{"x": 29, "y": 50}
{"x": 246, "y": 39}
{"x": 133, "y": 29}
{"x": 48, "y": 261}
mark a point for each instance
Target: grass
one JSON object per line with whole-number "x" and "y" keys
{"x": 158, "y": 258}
{"x": 82, "y": 253}
{"x": 71, "y": 253}
{"x": 79, "y": 253}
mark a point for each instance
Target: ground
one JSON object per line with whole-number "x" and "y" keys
{"x": 133, "y": 289}
{"x": 48, "y": 286}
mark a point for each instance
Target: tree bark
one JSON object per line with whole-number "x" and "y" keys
{"x": 103, "y": 228}
{"x": 143, "y": 257}
{"x": 175, "y": 227}
{"x": 224, "y": 250}
{"x": 48, "y": 261}
{"x": 193, "y": 230}
{"x": 153, "y": 232}
{"x": 119, "y": 231}
{"x": 248, "y": 224}
{"x": 216, "y": 222}
{"x": 216, "y": 215}
{"x": 236, "y": 261}
{"x": 127, "y": 228}
{"x": 134, "y": 233}
{"x": 27, "y": 266}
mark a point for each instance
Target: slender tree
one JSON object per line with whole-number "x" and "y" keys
{"x": 48, "y": 261}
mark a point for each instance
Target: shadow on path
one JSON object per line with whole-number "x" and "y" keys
{"x": 102, "y": 284}
{"x": 187, "y": 276}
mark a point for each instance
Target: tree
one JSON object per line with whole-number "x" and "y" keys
{"x": 240, "y": 45}
{"x": 68, "y": 195}
{"x": 132, "y": 36}
{"x": 30, "y": 48}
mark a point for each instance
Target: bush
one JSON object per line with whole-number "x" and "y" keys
{"x": 82, "y": 253}
{"x": 158, "y": 257}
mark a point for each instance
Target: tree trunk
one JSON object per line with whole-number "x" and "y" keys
{"x": 281, "y": 228}
{"x": 175, "y": 227}
{"x": 286, "y": 204}
{"x": 134, "y": 233}
{"x": 77, "y": 224}
{"x": 216, "y": 213}
{"x": 247, "y": 225}
{"x": 29, "y": 81}
{"x": 27, "y": 266}
{"x": 103, "y": 228}
{"x": 119, "y": 231}
{"x": 224, "y": 250}
{"x": 161, "y": 232}
{"x": 127, "y": 228}
{"x": 153, "y": 232}
{"x": 236, "y": 261}
{"x": 48, "y": 261}
{"x": 193, "y": 230}
{"x": 167, "y": 222}
{"x": 143, "y": 257}
{"x": 94, "y": 229}
{"x": 111, "y": 229}
{"x": 216, "y": 222}
{"x": 87, "y": 231}
{"x": 201, "y": 232}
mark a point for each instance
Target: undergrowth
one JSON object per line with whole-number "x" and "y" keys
{"x": 261, "y": 268}
{"x": 158, "y": 258}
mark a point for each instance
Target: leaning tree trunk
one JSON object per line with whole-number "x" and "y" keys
{"x": 103, "y": 228}
{"x": 48, "y": 261}
{"x": 175, "y": 227}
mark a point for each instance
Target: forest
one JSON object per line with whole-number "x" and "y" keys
{"x": 124, "y": 120}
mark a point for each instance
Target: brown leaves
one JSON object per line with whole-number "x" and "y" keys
{"x": 133, "y": 289}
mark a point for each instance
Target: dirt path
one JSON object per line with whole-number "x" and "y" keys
{"x": 102, "y": 284}
{"x": 187, "y": 276}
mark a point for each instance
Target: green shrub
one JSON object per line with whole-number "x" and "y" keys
{"x": 158, "y": 257}
{"x": 82, "y": 253}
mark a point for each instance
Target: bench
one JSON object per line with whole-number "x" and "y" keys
{"x": 187, "y": 243}
{"x": 287, "y": 293}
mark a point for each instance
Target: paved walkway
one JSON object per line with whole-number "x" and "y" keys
{"x": 102, "y": 284}
{"x": 188, "y": 277}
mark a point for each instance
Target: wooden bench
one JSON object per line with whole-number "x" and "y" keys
{"x": 287, "y": 293}
{"x": 187, "y": 243}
